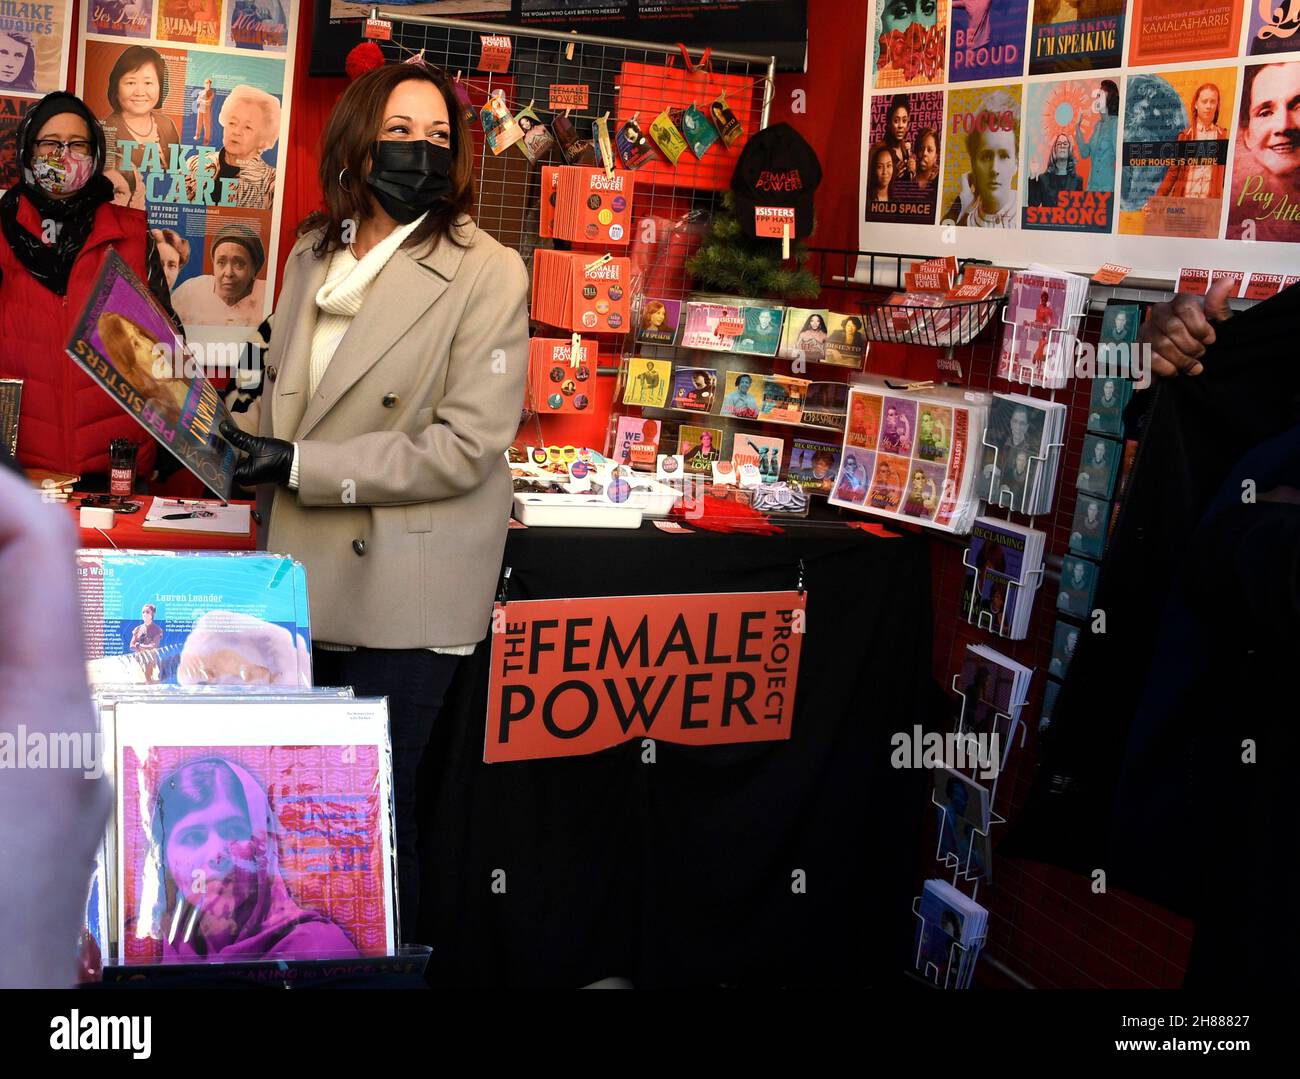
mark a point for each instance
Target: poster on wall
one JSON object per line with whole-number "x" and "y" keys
{"x": 1076, "y": 35}
{"x": 988, "y": 40}
{"x": 193, "y": 133}
{"x": 1176, "y": 31}
{"x": 1265, "y": 199}
{"x": 1274, "y": 27}
{"x": 1176, "y": 152}
{"x": 909, "y": 43}
{"x": 906, "y": 132}
{"x": 1071, "y": 143}
{"x": 982, "y": 159}
{"x": 34, "y": 47}
{"x": 12, "y": 110}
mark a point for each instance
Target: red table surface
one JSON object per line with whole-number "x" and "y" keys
{"x": 128, "y": 532}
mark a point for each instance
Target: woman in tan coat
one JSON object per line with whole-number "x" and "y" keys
{"x": 393, "y": 385}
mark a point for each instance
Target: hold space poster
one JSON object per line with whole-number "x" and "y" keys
{"x": 1139, "y": 132}
{"x": 193, "y": 98}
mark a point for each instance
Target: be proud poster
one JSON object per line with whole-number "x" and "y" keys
{"x": 195, "y": 113}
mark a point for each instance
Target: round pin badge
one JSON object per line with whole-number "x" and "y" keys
{"x": 619, "y": 203}
{"x": 591, "y": 231}
{"x": 602, "y": 308}
{"x": 619, "y": 491}
{"x": 555, "y": 401}
{"x": 615, "y": 232}
{"x": 615, "y": 292}
{"x": 615, "y": 321}
{"x": 580, "y": 402}
{"x": 579, "y": 470}
{"x": 605, "y": 217}
{"x": 539, "y": 456}
{"x": 569, "y": 388}
{"x": 588, "y": 292}
{"x": 589, "y": 319}
{"x": 557, "y": 374}
{"x": 582, "y": 374}
{"x": 593, "y": 203}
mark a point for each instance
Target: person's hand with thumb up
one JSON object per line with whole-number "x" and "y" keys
{"x": 1181, "y": 330}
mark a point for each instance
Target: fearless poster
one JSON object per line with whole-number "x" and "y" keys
{"x": 575, "y": 676}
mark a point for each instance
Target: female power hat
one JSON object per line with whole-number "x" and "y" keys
{"x": 777, "y": 168}
{"x": 241, "y": 234}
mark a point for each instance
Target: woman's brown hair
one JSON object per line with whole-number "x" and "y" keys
{"x": 351, "y": 131}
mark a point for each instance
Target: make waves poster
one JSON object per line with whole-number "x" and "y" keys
{"x": 906, "y": 132}
{"x": 193, "y": 133}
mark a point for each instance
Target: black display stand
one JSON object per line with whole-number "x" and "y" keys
{"x": 683, "y": 872}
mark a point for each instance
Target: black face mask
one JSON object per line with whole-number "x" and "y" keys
{"x": 409, "y": 177}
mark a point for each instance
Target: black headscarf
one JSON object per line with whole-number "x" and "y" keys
{"x": 51, "y": 264}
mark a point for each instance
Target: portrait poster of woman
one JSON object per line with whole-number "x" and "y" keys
{"x": 909, "y": 39}
{"x": 265, "y": 834}
{"x": 905, "y": 143}
{"x": 1071, "y": 130}
{"x": 121, "y": 18}
{"x": 1186, "y": 117}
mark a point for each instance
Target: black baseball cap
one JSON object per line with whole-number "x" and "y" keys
{"x": 777, "y": 168}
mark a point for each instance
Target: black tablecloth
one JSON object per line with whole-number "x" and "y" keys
{"x": 685, "y": 871}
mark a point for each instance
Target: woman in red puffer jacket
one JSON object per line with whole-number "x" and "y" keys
{"x": 66, "y": 421}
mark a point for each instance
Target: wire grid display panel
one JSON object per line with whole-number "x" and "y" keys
{"x": 1045, "y": 924}
{"x": 508, "y": 195}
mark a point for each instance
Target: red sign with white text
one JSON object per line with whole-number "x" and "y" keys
{"x": 576, "y": 676}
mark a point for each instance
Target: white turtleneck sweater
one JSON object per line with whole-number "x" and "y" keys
{"x": 347, "y": 283}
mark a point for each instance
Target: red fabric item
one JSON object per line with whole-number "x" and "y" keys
{"x": 128, "y": 534}
{"x": 364, "y": 57}
{"x": 723, "y": 515}
{"x": 66, "y": 421}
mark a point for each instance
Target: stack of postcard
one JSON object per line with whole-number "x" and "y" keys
{"x": 1020, "y": 453}
{"x": 964, "y": 816}
{"x": 1041, "y": 326}
{"x": 1004, "y": 565}
{"x": 911, "y": 456}
{"x": 950, "y": 935}
{"x": 818, "y": 335}
{"x": 993, "y": 687}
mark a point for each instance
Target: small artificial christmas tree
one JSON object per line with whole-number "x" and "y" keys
{"x": 729, "y": 261}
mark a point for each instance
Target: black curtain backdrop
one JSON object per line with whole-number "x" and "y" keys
{"x": 680, "y": 872}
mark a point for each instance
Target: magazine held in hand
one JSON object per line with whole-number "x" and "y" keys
{"x": 127, "y": 344}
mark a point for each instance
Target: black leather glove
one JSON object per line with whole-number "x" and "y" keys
{"x": 269, "y": 459}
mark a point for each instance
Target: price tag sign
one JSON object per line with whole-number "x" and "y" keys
{"x": 496, "y": 52}
{"x": 1195, "y": 281}
{"x": 378, "y": 30}
{"x": 771, "y": 221}
{"x": 569, "y": 96}
{"x": 1111, "y": 273}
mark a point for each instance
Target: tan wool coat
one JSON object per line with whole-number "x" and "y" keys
{"x": 404, "y": 492}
